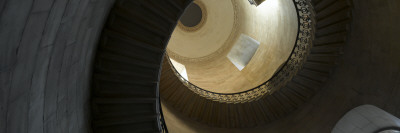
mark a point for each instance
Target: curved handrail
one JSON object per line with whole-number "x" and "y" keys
{"x": 282, "y": 76}
{"x": 162, "y": 123}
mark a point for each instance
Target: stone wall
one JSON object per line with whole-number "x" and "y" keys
{"x": 46, "y": 52}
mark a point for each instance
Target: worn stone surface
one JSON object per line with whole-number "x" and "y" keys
{"x": 46, "y": 51}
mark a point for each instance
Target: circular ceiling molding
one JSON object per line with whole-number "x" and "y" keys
{"x": 192, "y": 16}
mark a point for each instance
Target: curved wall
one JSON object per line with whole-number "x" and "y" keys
{"x": 210, "y": 37}
{"x": 46, "y": 52}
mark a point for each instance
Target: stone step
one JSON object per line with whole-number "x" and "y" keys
{"x": 141, "y": 10}
{"x": 124, "y": 120}
{"x": 118, "y": 67}
{"x": 135, "y": 124}
{"x": 320, "y": 67}
{"x": 322, "y": 4}
{"x": 126, "y": 74}
{"x": 292, "y": 97}
{"x": 118, "y": 106}
{"x": 141, "y": 56}
{"x": 153, "y": 36}
{"x": 108, "y": 89}
{"x": 342, "y": 15}
{"x": 127, "y": 67}
{"x": 332, "y": 8}
{"x": 328, "y": 49}
{"x": 323, "y": 58}
{"x": 177, "y": 5}
{"x": 162, "y": 10}
{"x": 138, "y": 33}
{"x": 314, "y": 75}
{"x": 126, "y": 61}
{"x": 331, "y": 39}
{"x": 300, "y": 90}
{"x": 341, "y": 26}
{"x": 127, "y": 40}
{"x": 307, "y": 82}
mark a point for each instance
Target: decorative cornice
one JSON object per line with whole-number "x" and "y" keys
{"x": 203, "y": 20}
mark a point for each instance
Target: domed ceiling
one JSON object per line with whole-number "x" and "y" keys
{"x": 209, "y": 35}
{"x": 209, "y": 30}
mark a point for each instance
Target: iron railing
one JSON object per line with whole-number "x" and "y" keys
{"x": 162, "y": 123}
{"x": 305, "y": 35}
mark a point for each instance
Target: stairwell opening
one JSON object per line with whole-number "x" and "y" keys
{"x": 192, "y": 16}
{"x": 232, "y": 46}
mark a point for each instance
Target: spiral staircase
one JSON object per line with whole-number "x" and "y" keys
{"x": 332, "y": 22}
{"x": 127, "y": 66}
{"x": 130, "y": 74}
{"x": 51, "y": 82}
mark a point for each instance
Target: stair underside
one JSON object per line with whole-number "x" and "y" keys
{"x": 125, "y": 95}
{"x": 332, "y": 19}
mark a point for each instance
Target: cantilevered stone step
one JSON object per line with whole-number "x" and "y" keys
{"x": 121, "y": 79}
{"x": 147, "y": 12}
{"x": 322, "y": 4}
{"x": 108, "y": 89}
{"x": 331, "y": 9}
{"x": 335, "y": 48}
{"x": 167, "y": 8}
{"x": 331, "y": 29}
{"x": 132, "y": 68}
{"x": 314, "y": 75}
{"x": 149, "y": 126}
{"x": 328, "y": 58}
{"x": 321, "y": 67}
{"x": 137, "y": 17}
{"x": 125, "y": 74}
{"x": 334, "y": 38}
{"x": 127, "y": 65}
{"x": 342, "y": 15}
{"x": 141, "y": 57}
{"x": 127, "y": 42}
